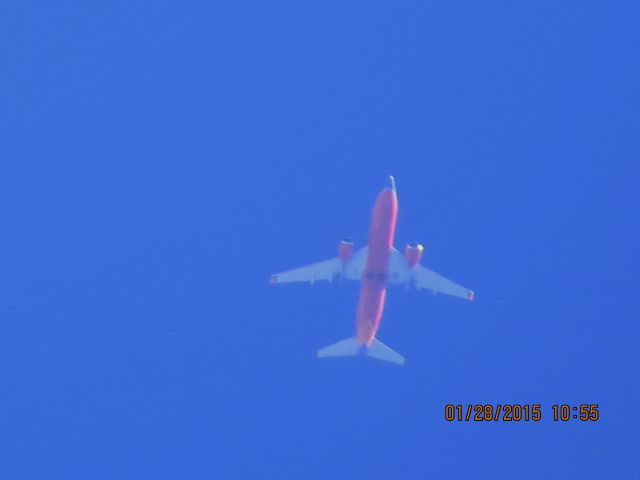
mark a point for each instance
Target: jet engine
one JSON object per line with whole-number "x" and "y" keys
{"x": 413, "y": 253}
{"x": 345, "y": 249}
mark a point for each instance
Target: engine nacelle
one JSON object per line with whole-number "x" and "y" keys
{"x": 413, "y": 253}
{"x": 345, "y": 249}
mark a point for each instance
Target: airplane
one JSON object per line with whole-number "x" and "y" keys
{"x": 376, "y": 266}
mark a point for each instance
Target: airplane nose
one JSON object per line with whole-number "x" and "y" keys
{"x": 391, "y": 183}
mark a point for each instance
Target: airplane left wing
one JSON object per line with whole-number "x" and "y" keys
{"x": 425, "y": 278}
{"x": 328, "y": 270}
{"x": 421, "y": 277}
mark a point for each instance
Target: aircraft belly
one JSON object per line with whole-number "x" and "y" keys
{"x": 370, "y": 310}
{"x": 372, "y": 294}
{"x": 375, "y": 276}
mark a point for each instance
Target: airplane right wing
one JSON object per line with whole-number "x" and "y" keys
{"x": 328, "y": 270}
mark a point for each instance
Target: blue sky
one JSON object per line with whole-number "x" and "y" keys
{"x": 159, "y": 162}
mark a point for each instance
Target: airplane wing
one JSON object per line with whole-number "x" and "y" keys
{"x": 328, "y": 270}
{"x": 423, "y": 278}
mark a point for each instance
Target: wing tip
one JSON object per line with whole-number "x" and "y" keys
{"x": 273, "y": 280}
{"x": 471, "y": 296}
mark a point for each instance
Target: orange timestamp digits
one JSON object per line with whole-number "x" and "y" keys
{"x": 493, "y": 413}
{"x": 515, "y": 412}
{"x": 585, "y": 412}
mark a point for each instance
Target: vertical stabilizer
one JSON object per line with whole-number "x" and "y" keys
{"x": 379, "y": 350}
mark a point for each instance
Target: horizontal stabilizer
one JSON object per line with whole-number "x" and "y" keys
{"x": 344, "y": 348}
{"x": 379, "y": 350}
{"x": 350, "y": 348}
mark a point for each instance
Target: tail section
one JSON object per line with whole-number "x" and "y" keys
{"x": 379, "y": 350}
{"x": 350, "y": 348}
{"x": 344, "y": 348}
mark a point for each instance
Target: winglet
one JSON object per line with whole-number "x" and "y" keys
{"x": 273, "y": 279}
{"x": 391, "y": 183}
{"x": 471, "y": 296}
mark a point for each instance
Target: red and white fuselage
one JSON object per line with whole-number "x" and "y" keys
{"x": 373, "y": 290}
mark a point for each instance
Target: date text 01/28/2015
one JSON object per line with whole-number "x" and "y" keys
{"x": 511, "y": 412}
